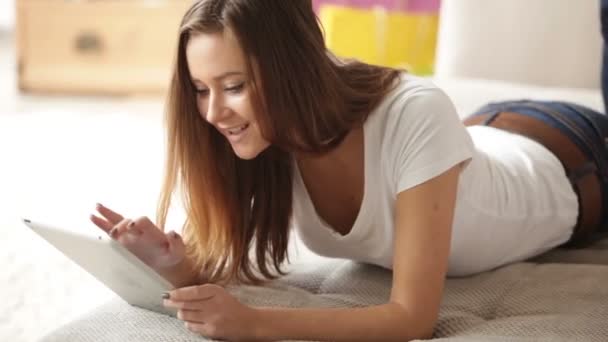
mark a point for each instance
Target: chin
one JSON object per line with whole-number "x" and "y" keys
{"x": 248, "y": 153}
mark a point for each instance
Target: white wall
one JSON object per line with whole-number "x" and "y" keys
{"x": 7, "y": 15}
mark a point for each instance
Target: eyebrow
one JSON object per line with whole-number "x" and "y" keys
{"x": 222, "y": 76}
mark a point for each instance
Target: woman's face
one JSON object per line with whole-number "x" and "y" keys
{"x": 218, "y": 71}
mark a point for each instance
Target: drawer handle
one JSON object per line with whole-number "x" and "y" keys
{"x": 88, "y": 42}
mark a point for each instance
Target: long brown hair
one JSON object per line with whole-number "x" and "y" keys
{"x": 306, "y": 100}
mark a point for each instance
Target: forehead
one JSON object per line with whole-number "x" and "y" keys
{"x": 212, "y": 54}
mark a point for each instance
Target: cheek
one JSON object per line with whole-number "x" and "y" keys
{"x": 260, "y": 138}
{"x": 242, "y": 104}
{"x": 201, "y": 105}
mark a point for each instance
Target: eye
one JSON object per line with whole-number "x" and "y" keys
{"x": 235, "y": 89}
{"x": 202, "y": 92}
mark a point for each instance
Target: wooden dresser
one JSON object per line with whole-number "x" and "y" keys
{"x": 97, "y": 47}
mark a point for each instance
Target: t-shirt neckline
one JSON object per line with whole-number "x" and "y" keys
{"x": 327, "y": 228}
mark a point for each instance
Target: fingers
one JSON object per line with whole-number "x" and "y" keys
{"x": 132, "y": 229}
{"x": 196, "y": 305}
{"x": 193, "y": 316}
{"x": 196, "y": 293}
{"x": 174, "y": 236}
{"x": 116, "y": 225}
{"x": 110, "y": 215}
{"x": 110, "y": 228}
{"x": 201, "y": 328}
{"x": 144, "y": 221}
{"x": 101, "y": 223}
{"x": 143, "y": 224}
{"x": 119, "y": 229}
{"x": 175, "y": 242}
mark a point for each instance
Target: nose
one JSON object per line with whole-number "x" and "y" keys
{"x": 215, "y": 111}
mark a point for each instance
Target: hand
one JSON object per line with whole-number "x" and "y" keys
{"x": 213, "y": 312}
{"x": 142, "y": 238}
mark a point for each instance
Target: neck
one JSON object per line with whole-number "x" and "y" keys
{"x": 341, "y": 156}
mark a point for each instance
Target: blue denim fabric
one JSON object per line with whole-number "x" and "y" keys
{"x": 587, "y": 128}
{"x": 604, "y": 23}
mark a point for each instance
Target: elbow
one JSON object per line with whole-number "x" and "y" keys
{"x": 418, "y": 326}
{"x": 425, "y": 334}
{"x": 418, "y": 331}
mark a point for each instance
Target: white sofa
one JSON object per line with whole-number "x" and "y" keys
{"x": 489, "y": 50}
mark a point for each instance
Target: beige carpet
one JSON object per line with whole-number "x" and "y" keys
{"x": 58, "y": 156}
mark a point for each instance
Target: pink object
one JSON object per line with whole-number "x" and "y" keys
{"x": 424, "y": 6}
{"x": 417, "y": 6}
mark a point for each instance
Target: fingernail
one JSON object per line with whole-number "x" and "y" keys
{"x": 131, "y": 224}
{"x": 174, "y": 235}
{"x": 98, "y": 205}
{"x": 166, "y": 295}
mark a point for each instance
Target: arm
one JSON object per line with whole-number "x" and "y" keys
{"x": 182, "y": 274}
{"x": 423, "y": 223}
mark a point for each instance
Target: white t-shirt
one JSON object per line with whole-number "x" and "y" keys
{"x": 514, "y": 200}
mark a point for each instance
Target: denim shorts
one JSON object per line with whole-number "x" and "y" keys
{"x": 584, "y": 127}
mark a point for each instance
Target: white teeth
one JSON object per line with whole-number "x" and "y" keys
{"x": 238, "y": 130}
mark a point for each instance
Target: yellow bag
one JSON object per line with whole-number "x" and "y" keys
{"x": 378, "y": 36}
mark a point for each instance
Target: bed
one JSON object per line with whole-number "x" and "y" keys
{"x": 488, "y": 51}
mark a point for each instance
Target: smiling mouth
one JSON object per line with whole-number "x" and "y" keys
{"x": 238, "y": 130}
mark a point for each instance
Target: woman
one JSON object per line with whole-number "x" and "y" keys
{"x": 267, "y": 131}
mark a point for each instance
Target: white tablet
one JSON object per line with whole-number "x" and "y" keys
{"x": 111, "y": 263}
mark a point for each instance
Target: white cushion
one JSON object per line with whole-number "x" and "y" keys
{"x": 544, "y": 42}
{"x": 470, "y": 94}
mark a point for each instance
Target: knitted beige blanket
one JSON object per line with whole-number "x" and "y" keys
{"x": 560, "y": 296}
